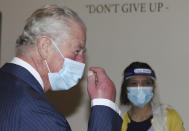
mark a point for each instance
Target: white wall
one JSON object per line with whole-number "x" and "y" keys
{"x": 114, "y": 40}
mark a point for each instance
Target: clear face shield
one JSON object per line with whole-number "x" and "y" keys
{"x": 141, "y": 89}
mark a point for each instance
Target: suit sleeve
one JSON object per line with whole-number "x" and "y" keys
{"x": 103, "y": 118}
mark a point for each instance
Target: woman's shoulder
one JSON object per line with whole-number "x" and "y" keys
{"x": 174, "y": 120}
{"x": 172, "y": 113}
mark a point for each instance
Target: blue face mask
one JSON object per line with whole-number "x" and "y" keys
{"x": 140, "y": 96}
{"x": 68, "y": 76}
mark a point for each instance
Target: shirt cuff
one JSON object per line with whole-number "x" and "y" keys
{"x": 105, "y": 102}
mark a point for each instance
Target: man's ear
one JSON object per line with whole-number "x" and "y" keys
{"x": 43, "y": 43}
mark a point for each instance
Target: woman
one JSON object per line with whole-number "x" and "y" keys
{"x": 144, "y": 111}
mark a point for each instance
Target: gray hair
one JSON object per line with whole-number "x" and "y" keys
{"x": 51, "y": 20}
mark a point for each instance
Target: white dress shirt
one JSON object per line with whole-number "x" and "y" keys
{"x": 94, "y": 102}
{"x": 106, "y": 102}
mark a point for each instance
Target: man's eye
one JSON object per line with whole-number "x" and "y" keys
{"x": 77, "y": 51}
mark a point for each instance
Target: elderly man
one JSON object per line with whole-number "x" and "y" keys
{"x": 50, "y": 56}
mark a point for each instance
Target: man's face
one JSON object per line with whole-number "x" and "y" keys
{"x": 74, "y": 48}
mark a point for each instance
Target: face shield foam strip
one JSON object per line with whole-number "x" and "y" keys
{"x": 139, "y": 71}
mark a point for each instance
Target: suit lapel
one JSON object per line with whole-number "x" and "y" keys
{"x": 24, "y": 75}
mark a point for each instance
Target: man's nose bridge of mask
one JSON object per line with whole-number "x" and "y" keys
{"x": 80, "y": 59}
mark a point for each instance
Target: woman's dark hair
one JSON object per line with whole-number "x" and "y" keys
{"x": 123, "y": 97}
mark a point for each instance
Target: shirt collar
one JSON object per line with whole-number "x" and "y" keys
{"x": 28, "y": 67}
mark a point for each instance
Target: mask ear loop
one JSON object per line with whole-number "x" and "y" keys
{"x": 47, "y": 66}
{"x": 57, "y": 48}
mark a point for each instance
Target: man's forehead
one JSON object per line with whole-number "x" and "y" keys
{"x": 79, "y": 35}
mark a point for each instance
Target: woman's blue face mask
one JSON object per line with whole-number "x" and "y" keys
{"x": 140, "y": 96}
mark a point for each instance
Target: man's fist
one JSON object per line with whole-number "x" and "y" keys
{"x": 100, "y": 85}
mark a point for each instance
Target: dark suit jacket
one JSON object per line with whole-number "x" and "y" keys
{"x": 24, "y": 107}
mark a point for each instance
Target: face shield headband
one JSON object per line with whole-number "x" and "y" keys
{"x": 139, "y": 71}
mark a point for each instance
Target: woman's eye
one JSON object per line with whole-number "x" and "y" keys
{"x": 149, "y": 82}
{"x": 133, "y": 83}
